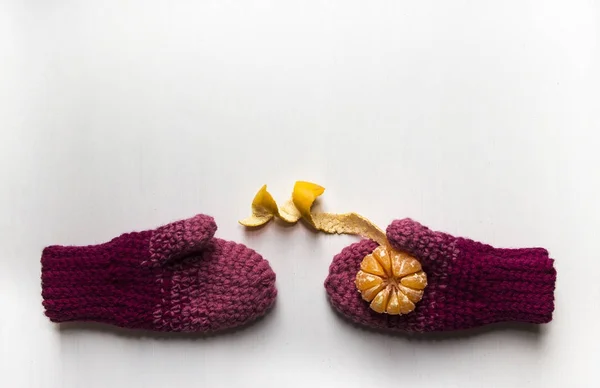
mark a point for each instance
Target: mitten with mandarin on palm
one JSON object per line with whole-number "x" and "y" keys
{"x": 468, "y": 283}
{"x": 177, "y": 277}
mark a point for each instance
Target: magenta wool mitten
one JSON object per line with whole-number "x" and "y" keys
{"x": 178, "y": 277}
{"x": 469, "y": 283}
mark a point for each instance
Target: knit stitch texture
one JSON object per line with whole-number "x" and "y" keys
{"x": 470, "y": 284}
{"x": 178, "y": 277}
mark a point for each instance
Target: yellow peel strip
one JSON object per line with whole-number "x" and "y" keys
{"x": 299, "y": 206}
{"x": 349, "y": 223}
{"x": 264, "y": 208}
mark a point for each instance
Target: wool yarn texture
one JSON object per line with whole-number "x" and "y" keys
{"x": 470, "y": 284}
{"x": 175, "y": 278}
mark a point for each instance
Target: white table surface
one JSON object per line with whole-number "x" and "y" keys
{"x": 480, "y": 118}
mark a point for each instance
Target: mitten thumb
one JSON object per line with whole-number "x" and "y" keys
{"x": 420, "y": 241}
{"x": 180, "y": 238}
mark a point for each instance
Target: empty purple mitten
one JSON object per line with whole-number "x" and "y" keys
{"x": 470, "y": 284}
{"x": 178, "y": 277}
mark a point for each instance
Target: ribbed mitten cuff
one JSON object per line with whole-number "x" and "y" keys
{"x": 101, "y": 283}
{"x": 494, "y": 285}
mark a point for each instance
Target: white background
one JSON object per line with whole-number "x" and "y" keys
{"x": 479, "y": 118}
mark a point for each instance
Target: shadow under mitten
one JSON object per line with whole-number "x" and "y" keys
{"x": 470, "y": 284}
{"x": 178, "y": 277}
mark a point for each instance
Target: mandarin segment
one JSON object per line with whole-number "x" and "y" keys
{"x": 391, "y": 281}
{"x": 365, "y": 280}
{"x": 418, "y": 281}
{"x": 413, "y": 295}
{"x": 371, "y": 293}
{"x": 372, "y": 266}
{"x": 406, "y": 306}
{"x": 383, "y": 257}
{"x": 380, "y": 301}
{"x": 393, "y": 307}
{"x": 403, "y": 265}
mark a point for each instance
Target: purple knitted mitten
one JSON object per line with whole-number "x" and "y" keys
{"x": 177, "y": 277}
{"x": 470, "y": 284}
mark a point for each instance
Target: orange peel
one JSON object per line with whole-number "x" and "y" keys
{"x": 299, "y": 206}
{"x": 264, "y": 208}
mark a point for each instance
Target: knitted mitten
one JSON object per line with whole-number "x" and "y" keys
{"x": 177, "y": 277}
{"x": 469, "y": 283}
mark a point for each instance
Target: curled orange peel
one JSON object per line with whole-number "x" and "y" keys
{"x": 264, "y": 208}
{"x": 299, "y": 206}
